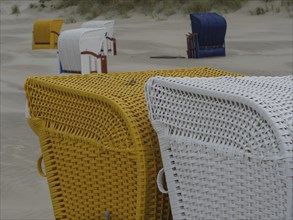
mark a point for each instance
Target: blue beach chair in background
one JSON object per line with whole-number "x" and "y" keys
{"x": 208, "y": 35}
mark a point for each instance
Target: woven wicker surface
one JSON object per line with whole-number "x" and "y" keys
{"x": 100, "y": 151}
{"x": 226, "y": 144}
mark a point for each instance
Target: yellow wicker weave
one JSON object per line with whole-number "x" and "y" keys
{"x": 100, "y": 151}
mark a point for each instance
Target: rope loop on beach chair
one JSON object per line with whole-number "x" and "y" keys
{"x": 160, "y": 181}
{"x": 40, "y": 169}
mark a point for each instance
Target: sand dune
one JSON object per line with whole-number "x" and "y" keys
{"x": 256, "y": 45}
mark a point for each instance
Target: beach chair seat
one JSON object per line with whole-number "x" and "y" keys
{"x": 109, "y": 45}
{"x": 79, "y": 51}
{"x": 208, "y": 35}
{"x": 100, "y": 152}
{"x": 46, "y": 33}
{"x": 226, "y": 145}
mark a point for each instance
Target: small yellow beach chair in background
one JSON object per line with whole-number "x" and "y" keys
{"x": 46, "y": 33}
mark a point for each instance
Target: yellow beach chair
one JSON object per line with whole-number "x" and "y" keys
{"x": 46, "y": 33}
{"x": 100, "y": 152}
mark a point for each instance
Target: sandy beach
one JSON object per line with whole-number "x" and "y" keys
{"x": 255, "y": 45}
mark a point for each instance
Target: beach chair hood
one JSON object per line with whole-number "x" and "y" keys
{"x": 72, "y": 43}
{"x": 108, "y": 24}
{"x": 208, "y": 35}
{"x": 45, "y": 33}
{"x": 226, "y": 145}
{"x": 210, "y": 27}
{"x": 100, "y": 152}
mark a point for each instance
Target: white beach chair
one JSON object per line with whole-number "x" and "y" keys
{"x": 109, "y": 46}
{"x": 79, "y": 51}
{"x": 226, "y": 145}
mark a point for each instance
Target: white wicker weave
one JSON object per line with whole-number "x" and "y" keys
{"x": 226, "y": 145}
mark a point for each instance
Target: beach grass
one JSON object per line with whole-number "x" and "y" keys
{"x": 15, "y": 10}
{"x": 162, "y": 9}
{"x": 154, "y": 8}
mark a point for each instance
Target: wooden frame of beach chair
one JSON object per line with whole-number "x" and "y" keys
{"x": 79, "y": 51}
{"x": 109, "y": 46}
{"x": 192, "y": 45}
{"x": 45, "y": 33}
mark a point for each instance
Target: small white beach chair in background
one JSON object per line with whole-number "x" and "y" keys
{"x": 226, "y": 145}
{"x": 109, "y": 46}
{"x": 79, "y": 51}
